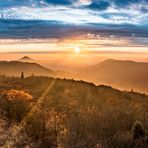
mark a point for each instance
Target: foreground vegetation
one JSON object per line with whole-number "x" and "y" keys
{"x": 45, "y": 112}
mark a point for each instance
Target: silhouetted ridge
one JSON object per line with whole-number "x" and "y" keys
{"x": 119, "y": 73}
{"x": 26, "y": 59}
{"x": 14, "y": 68}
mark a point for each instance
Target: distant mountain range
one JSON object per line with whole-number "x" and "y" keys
{"x": 120, "y": 74}
{"x": 128, "y": 75}
{"x": 14, "y": 68}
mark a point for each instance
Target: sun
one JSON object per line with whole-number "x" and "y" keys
{"x": 77, "y": 50}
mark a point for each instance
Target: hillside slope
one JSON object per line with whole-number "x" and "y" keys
{"x": 83, "y": 112}
{"x": 121, "y": 74}
{"x": 14, "y": 68}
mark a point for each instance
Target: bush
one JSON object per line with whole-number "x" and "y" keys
{"x": 15, "y": 104}
{"x": 44, "y": 128}
{"x": 138, "y": 130}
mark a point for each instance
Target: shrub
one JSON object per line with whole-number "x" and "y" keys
{"x": 44, "y": 128}
{"x": 138, "y": 130}
{"x": 15, "y": 104}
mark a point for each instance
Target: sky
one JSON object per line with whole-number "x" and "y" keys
{"x": 68, "y": 25}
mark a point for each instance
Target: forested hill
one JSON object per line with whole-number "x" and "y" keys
{"x": 70, "y": 114}
{"x": 81, "y": 89}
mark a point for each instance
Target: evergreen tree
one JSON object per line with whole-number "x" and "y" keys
{"x": 138, "y": 130}
{"x": 22, "y": 75}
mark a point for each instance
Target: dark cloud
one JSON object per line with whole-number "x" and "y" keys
{"x": 45, "y": 28}
{"x": 18, "y": 29}
{"x": 144, "y": 10}
{"x": 59, "y": 2}
{"x": 12, "y": 3}
{"x": 126, "y": 3}
{"x": 123, "y": 3}
{"x": 95, "y": 5}
{"x": 101, "y": 5}
{"x": 21, "y": 29}
{"x": 104, "y": 4}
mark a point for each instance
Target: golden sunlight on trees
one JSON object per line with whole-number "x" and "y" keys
{"x": 74, "y": 114}
{"x": 45, "y": 128}
{"x": 15, "y": 103}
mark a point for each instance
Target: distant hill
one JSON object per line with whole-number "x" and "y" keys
{"x": 121, "y": 74}
{"x": 26, "y": 59}
{"x": 14, "y": 68}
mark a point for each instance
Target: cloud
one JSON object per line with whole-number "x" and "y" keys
{"x": 34, "y": 3}
{"x": 65, "y": 19}
{"x": 91, "y": 3}
{"x": 101, "y": 5}
{"x": 126, "y": 3}
{"x": 59, "y": 2}
{"x": 82, "y": 13}
{"x": 82, "y": 3}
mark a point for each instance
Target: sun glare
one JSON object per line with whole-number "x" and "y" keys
{"x": 77, "y": 50}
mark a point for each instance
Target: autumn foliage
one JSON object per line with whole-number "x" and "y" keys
{"x": 73, "y": 114}
{"x": 15, "y": 104}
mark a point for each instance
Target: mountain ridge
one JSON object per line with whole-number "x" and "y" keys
{"x": 26, "y": 59}
{"x": 14, "y": 68}
{"x": 123, "y": 74}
